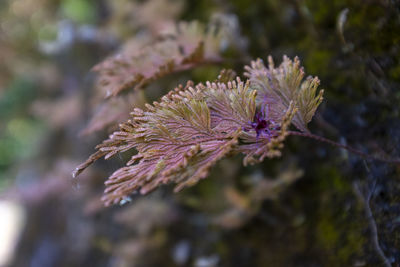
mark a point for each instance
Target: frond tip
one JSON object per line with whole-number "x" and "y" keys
{"x": 278, "y": 87}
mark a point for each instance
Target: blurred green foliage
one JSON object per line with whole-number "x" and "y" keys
{"x": 20, "y": 133}
{"x": 80, "y": 11}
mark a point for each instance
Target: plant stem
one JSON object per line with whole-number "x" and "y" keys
{"x": 371, "y": 221}
{"x": 348, "y": 148}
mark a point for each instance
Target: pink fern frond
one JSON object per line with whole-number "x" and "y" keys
{"x": 278, "y": 87}
{"x": 180, "y": 138}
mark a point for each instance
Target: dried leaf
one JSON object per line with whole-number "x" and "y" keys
{"x": 113, "y": 111}
{"x": 242, "y": 206}
{"x": 181, "y": 48}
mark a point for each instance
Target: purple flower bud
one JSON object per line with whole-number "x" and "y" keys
{"x": 263, "y": 125}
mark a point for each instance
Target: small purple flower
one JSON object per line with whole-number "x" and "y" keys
{"x": 263, "y": 125}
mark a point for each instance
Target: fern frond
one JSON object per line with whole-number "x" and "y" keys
{"x": 188, "y": 45}
{"x": 278, "y": 87}
{"x": 178, "y": 139}
{"x": 113, "y": 111}
{"x": 226, "y": 75}
{"x": 181, "y": 137}
{"x": 232, "y": 105}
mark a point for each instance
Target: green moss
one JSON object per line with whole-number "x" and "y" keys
{"x": 17, "y": 95}
{"x": 354, "y": 244}
{"x": 394, "y": 73}
{"x": 80, "y": 11}
{"x": 333, "y": 180}
{"x": 327, "y": 233}
{"x": 318, "y": 62}
{"x": 206, "y": 73}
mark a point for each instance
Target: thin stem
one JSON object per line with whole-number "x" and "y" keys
{"x": 371, "y": 221}
{"x": 348, "y": 148}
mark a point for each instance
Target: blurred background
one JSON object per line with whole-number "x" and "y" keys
{"x": 315, "y": 206}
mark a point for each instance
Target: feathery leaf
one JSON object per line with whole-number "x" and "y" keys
{"x": 181, "y": 137}
{"x": 188, "y": 45}
{"x": 178, "y": 139}
{"x": 278, "y": 87}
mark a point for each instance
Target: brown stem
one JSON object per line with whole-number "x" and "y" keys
{"x": 348, "y": 148}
